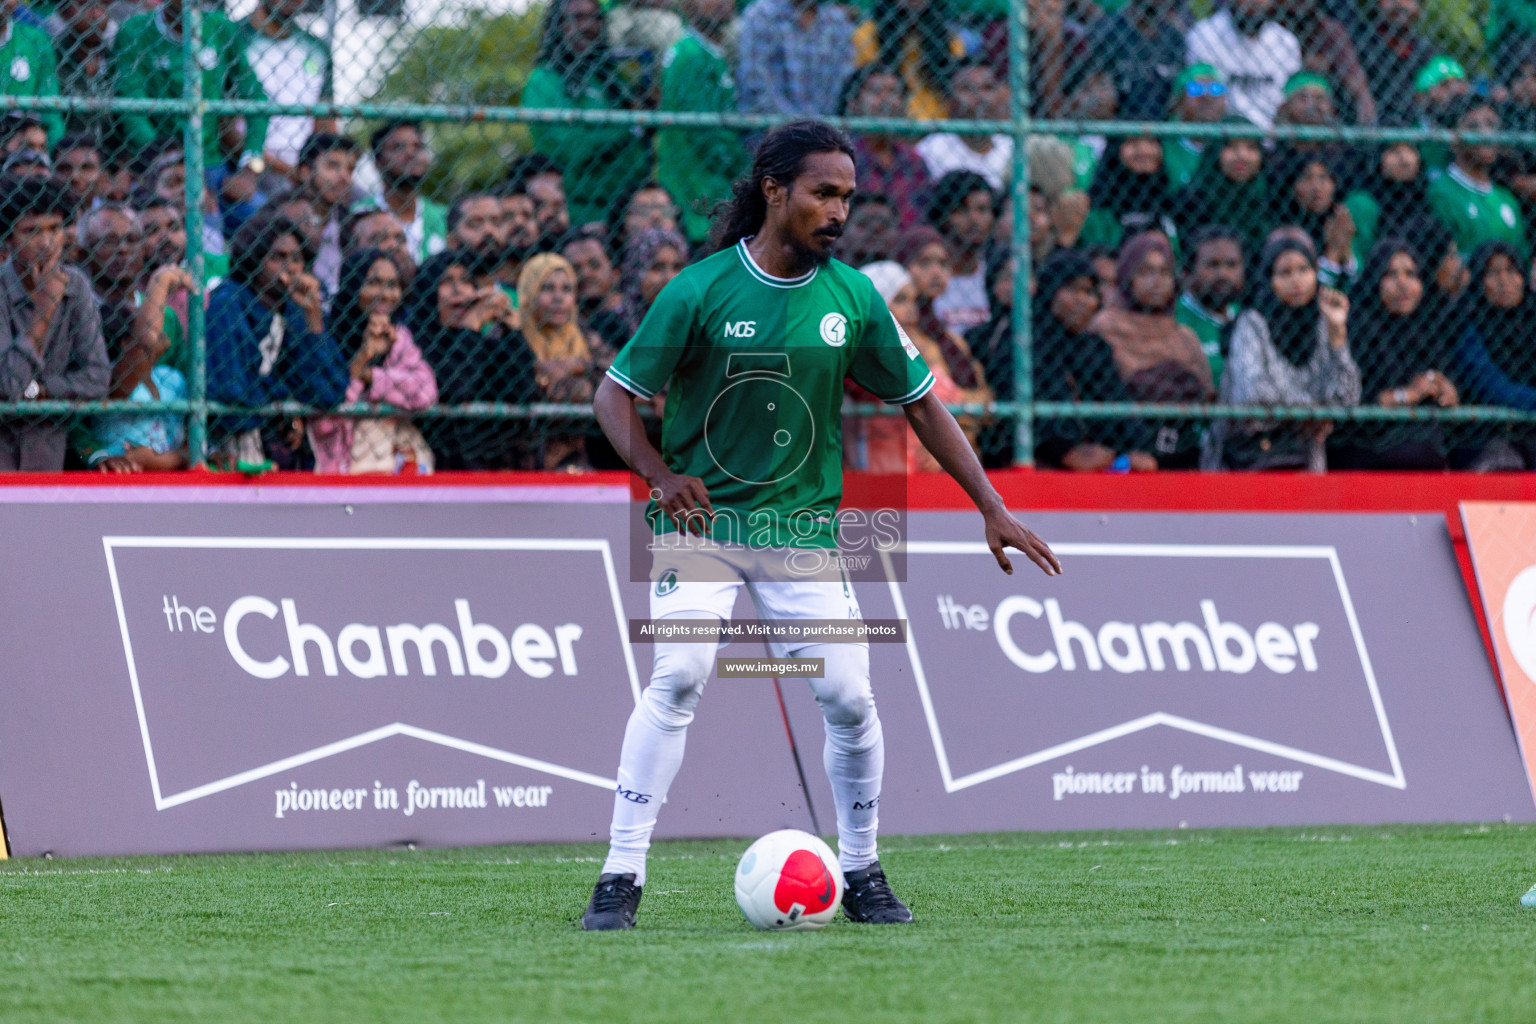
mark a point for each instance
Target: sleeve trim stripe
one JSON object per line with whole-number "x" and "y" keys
{"x": 916, "y": 393}
{"x": 629, "y": 385}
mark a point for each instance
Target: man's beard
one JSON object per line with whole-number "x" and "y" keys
{"x": 410, "y": 181}
{"x": 1217, "y": 296}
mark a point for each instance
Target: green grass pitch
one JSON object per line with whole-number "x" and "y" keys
{"x": 1364, "y": 924}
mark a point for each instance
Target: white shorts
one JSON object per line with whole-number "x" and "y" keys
{"x": 703, "y": 580}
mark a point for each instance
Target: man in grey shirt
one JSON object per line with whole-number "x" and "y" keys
{"x": 51, "y": 345}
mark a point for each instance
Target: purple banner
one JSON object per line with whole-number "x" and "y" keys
{"x": 193, "y": 676}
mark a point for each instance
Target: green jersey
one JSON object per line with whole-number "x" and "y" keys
{"x": 1208, "y": 329}
{"x": 27, "y": 68}
{"x": 1180, "y": 158}
{"x": 695, "y": 163}
{"x": 147, "y": 64}
{"x": 1475, "y": 212}
{"x": 754, "y": 367}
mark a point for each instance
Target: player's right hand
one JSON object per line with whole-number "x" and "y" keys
{"x": 684, "y": 500}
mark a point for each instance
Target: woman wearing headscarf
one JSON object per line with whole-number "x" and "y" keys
{"x": 1130, "y": 194}
{"x": 569, "y": 358}
{"x": 574, "y": 69}
{"x": 1404, "y": 354}
{"x": 1229, "y": 188}
{"x": 384, "y": 366}
{"x": 1391, "y": 194}
{"x": 925, "y": 255}
{"x": 1304, "y": 186}
{"x": 1072, "y": 364}
{"x": 1494, "y": 356}
{"x": 651, "y": 259}
{"x": 1290, "y": 347}
{"x": 1159, "y": 359}
{"x": 467, "y": 334}
{"x": 900, "y": 292}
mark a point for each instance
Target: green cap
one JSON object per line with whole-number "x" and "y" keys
{"x": 1193, "y": 72}
{"x": 1441, "y": 69}
{"x": 1306, "y": 80}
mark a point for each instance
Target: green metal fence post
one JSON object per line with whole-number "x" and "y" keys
{"x": 192, "y": 97}
{"x": 1018, "y": 114}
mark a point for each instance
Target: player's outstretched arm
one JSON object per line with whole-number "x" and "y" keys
{"x": 944, "y": 439}
{"x": 681, "y": 497}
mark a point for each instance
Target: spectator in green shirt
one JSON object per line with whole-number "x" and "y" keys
{"x": 1464, "y": 198}
{"x": 27, "y": 65}
{"x": 698, "y": 165}
{"x": 576, "y": 72}
{"x": 1213, "y": 282}
{"x": 1199, "y": 97}
{"x": 148, "y": 65}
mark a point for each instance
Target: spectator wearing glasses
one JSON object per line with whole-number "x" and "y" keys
{"x": 1255, "y": 53}
{"x": 886, "y": 163}
{"x": 574, "y": 70}
{"x": 1199, "y": 97}
{"x": 698, "y": 164}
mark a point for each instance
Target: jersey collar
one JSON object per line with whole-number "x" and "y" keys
{"x": 766, "y": 278}
{"x": 1461, "y": 178}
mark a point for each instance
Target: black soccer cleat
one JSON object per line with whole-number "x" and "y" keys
{"x": 868, "y": 899}
{"x": 615, "y": 899}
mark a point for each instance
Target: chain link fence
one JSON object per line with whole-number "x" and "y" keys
{"x": 362, "y": 236}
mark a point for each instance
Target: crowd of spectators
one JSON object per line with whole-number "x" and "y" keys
{"x": 1168, "y": 269}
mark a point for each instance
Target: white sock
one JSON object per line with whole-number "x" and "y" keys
{"x": 854, "y": 754}
{"x": 653, "y": 752}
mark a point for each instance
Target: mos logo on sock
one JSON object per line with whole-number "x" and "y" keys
{"x": 666, "y": 583}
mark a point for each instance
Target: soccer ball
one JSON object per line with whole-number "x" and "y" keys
{"x": 789, "y": 881}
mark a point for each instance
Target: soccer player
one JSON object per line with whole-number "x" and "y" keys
{"x": 753, "y": 344}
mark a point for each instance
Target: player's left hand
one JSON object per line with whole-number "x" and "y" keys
{"x": 1004, "y": 531}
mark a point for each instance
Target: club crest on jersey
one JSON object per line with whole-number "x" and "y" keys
{"x": 834, "y": 329}
{"x": 666, "y": 583}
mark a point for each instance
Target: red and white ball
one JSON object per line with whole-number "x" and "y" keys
{"x": 789, "y": 881}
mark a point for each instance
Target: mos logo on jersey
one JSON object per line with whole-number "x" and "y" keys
{"x": 834, "y": 329}
{"x": 741, "y": 329}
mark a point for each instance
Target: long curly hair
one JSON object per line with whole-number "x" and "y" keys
{"x": 779, "y": 156}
